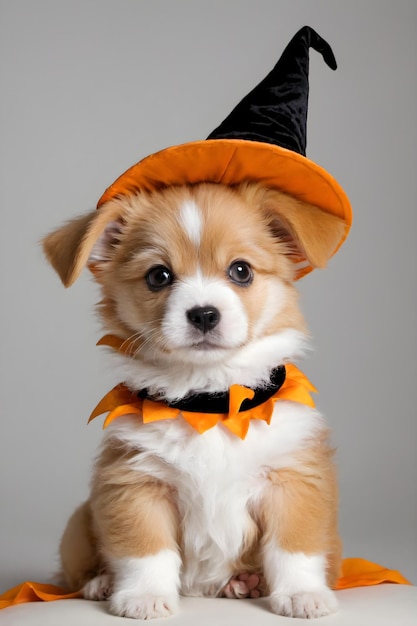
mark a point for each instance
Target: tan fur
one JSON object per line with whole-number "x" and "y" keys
{"x": 137, "y": 516}
{"x": 134, "y": 512}
{"x": 68, "y": 248}
{"x": 310, "y": 230}
{"x": 80, "y": 559}
{"x": 300, "y": 509}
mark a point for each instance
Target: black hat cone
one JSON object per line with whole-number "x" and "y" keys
{"x": 275, "y": 111}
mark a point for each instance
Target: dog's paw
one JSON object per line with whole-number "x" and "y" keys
{"x": 98, "y": 588}
{"x": 244, "y": 586}
{"x": 307, "y": 604}
{"x": 143, "y": 606}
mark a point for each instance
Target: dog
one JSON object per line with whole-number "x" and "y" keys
{"x": 197, "y": 284}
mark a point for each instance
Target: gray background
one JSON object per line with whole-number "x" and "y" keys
{"x": 88, "y": 87}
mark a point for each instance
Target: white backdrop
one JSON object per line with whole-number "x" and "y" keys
{"x": 88, "y": 87}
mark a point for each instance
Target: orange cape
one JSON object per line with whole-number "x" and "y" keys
{"x": 355, "y": 573}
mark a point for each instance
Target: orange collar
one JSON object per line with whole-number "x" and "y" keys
{"x": 122, "y": 401}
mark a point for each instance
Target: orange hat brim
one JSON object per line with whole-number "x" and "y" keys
{"x": 234, "y": 161}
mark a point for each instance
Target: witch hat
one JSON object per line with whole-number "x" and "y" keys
{"x": 263, "y": 141}
{"x": 275, "y": 111}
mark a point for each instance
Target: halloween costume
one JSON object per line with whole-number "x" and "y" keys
{"x": 263, "y": 140}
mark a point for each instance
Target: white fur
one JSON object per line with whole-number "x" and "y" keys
{"x": 191, "y": 221}
{"x": 98, "y": 588}
{"x": 216, "y": 477}
{"x": 146, "y": 587}
{"x": 187, "y": 341}
{"x": 251, "y": 365}
{"x": 297, "y": 583}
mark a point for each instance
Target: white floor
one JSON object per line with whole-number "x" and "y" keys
{"x": 384, "y": 605}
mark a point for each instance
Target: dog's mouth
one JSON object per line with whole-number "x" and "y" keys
{"x": 202, "y": 350}
{"x": 206, "y": 345}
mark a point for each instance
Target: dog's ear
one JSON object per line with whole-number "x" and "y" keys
{"x": 83, "y": 239}
{"x": 311, "y": 234}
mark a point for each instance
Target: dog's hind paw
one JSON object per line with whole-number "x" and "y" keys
{"x": 142, "y": 606}
{"x": 244, "y": 586}
{"x": 98, "y": 588}
{"x": 306, "y": 605}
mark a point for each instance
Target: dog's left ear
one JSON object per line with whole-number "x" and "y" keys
{"x": 85, "y": 239}
{"x": 311, "y": 234}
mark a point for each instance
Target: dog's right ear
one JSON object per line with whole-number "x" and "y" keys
{"x": 70, "y": 248}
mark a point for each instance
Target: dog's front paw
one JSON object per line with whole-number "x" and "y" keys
{"x": 146, "y": 606}
{"x": 98, "y": 588}
{"x": 306, "y": 604}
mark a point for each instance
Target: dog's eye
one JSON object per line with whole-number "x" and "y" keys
{"x": 159, "y": 277}
{"x": 240, "y": 273}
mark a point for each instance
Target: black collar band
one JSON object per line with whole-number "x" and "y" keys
{"x": 219, "y": 402}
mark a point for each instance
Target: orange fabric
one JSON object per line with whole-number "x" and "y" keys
{"x": 233, "y": 161}
{"x": 355, "y": 573}
{"x": 33, "y": 592}
{"x": 125, "y": 346}
{"x": 361, "y": 573}
{"x": 121, "y": 401}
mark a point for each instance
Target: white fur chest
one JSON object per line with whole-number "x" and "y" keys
{"x": 216, "y": 476}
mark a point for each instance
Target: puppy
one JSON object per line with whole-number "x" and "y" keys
{"x": 197, "y": 287}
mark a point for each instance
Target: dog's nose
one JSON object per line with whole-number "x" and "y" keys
{"x": 204, "y": 318}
